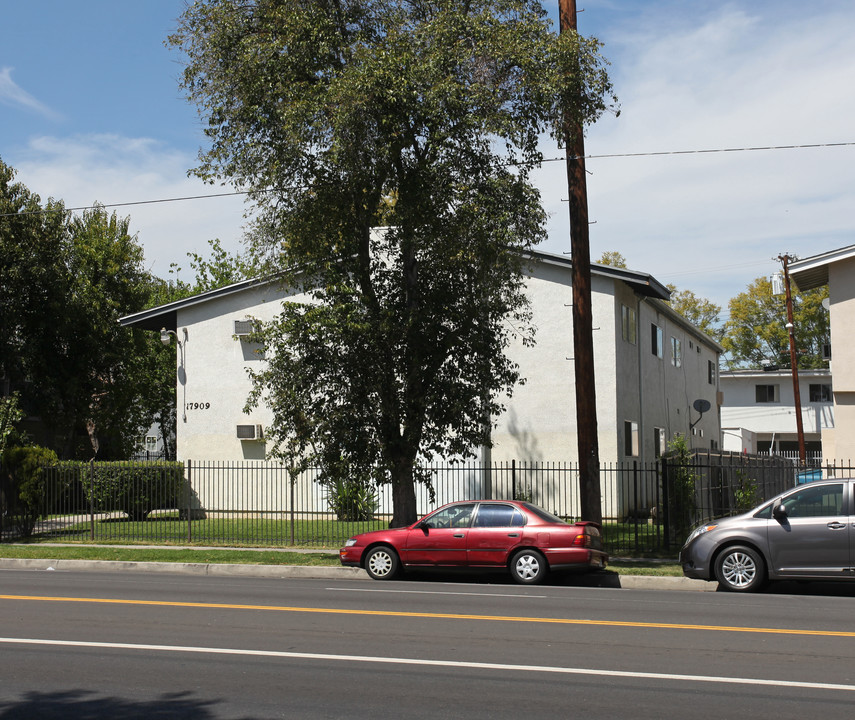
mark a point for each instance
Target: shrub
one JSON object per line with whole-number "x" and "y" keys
{"x": 136, "y": 489}
{"x": 745, "y": 493}
{"x": 26, "y": 485}
{"x": 682, "y": 481}
{"x": 352, "y": 500}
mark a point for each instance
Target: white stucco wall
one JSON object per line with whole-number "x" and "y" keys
{"x": 840, "y": 444}
{"x": 216, "y": 384}
{"x": 539, "y": 424}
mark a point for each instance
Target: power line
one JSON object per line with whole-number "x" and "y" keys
{"x": 715, "y": 150}
{"x": 545, "y": 160}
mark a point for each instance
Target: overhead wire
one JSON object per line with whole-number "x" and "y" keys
{"x": 234, "y": 193}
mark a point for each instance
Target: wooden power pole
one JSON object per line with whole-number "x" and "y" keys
{"x": 794, "y": 367}
{"x": 583, "y": 340}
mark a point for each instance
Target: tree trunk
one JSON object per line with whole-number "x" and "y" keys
{"x": 403, "y": 495}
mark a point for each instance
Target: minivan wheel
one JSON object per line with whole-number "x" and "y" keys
{"x": 740, "y": 569}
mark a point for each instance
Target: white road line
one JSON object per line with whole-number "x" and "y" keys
{"x": 431, "y": 592}
{"x": 434, "y": 663}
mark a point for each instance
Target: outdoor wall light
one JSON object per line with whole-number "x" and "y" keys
{"x": 182, "y": 372}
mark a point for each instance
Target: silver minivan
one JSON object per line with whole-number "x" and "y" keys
{"x": 806, "y": 534}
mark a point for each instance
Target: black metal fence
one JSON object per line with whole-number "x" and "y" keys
{"x": 256, "y": 503}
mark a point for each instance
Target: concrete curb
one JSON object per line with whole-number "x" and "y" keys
{"x": 614, "y": 580}
{"x": 211, "y": 569}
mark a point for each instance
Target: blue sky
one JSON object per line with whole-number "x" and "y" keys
{"x": 90, "y": 109}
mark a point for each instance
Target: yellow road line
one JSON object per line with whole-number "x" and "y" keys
{"x": 438, "y": 616}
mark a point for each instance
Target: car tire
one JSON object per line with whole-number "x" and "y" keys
{"x": 381, "y": 563}
{"x": 740, "y": 569}
{"x": 528, "y": 567}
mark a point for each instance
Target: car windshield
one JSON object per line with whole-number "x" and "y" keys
{"x": 542, "y": 514}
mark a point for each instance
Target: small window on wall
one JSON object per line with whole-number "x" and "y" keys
{"x": 676, "y": 352}
{"x": 820, "y": 393}
{"x": 766, "y": 394}
{"x": 656, "y": 341}
{"x": 710, "y": 372}
{"x": 627, "y": 324}
{"x": 630, "y": 439}
{"x": 659, "y": 442}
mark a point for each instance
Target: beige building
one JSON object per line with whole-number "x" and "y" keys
{"x": 837, "y": 270}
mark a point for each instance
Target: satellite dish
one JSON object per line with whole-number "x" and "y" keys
{"x": 826, "y": 303}
{"x": 701, "y": 405}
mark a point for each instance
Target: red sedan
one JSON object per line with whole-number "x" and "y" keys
{"x": 526, "y": 540}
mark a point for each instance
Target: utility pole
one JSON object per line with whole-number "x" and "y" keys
{"x": 583, "y": 340}
{"x": 800, "y": 431}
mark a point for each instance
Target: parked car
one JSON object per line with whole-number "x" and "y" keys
{"x": 802, "y": 534}
{"x": 487, "y": 534}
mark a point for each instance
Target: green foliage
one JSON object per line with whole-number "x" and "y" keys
{"x": 612, "y": 258}
{"x": 66, "y": 281}
{"x": 699, "y": 311}
{"x": 352, "y": 500}
{"x": 26, "y": 485}
{"x": 10, "y": 415}
{"x": 681, "y": 479}
{"x": 134, "y": 488}
{"x": 756, "y": 333}
{"x": 404, "y": 115}
{"x": 745, "y": 493}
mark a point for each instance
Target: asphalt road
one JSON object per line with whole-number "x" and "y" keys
{"x": 145, "y": 645}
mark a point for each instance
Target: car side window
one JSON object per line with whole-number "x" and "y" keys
{"x": 499, "y": 516}
{"x": 456, "y": 516}
{"x": 821, "y": 501}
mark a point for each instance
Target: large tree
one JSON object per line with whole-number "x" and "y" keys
{"x": 339, "y": 116}
{"x": 66, "y": 280}
{"x": 755, "y": 335}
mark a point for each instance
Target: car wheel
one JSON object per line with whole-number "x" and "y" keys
{"x": 381, "y": 563}
{"x": 740, "y": 569}
{"x": 528, "y": 567}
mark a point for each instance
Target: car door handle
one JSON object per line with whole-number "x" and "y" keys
{"x": 836, "y": 525}
{"x": 459, "y": 535}
{"x": 513, "y": 534}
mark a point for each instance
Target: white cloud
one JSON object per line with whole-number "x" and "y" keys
{"x": 111, "y": 169}
{"x": 728, "y": 79}
{"x": 13, "y": 95}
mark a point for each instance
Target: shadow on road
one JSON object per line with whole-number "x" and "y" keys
{"x": 87, "y": 705}
{"x": 601, "y": 579}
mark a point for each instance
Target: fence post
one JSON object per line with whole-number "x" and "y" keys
{"x": 189, "y": 497}
{"x": 636, "y": 510}
{"x": 666, "y": 507}
{"x": 92, "y": 499}
{"x": 513, "y": 479}
{"x": 292, "y": 484}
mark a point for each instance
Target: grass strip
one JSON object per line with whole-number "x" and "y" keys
{"x": 250, "y": 557}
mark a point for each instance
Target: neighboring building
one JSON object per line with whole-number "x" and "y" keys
{"x": 758, "y": 411}
{"x": 651, "y": 367}
{"x": 837, "y": 270}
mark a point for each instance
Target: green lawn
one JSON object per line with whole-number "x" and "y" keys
{"x": 249, "y": 557}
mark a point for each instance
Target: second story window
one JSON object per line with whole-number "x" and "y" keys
{"x": 676, "y": 352}
{"x": 820, "y": 392}
{"x": 766, "y": 394}
{"x": 627, "y": 323}
{"x": 656, "y": 341}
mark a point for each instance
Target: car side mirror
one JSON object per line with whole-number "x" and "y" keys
{"x": 422, "y": 525}
{"x": 779, "y": 512}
